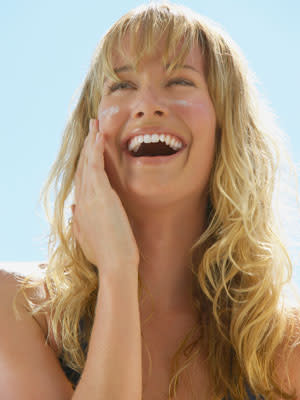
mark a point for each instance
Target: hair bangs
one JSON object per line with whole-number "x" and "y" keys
{"x": 145, "y": 31}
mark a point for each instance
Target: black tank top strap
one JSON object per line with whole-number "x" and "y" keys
{"x": 251, "y": 396}
{"x": 72, "y": 375}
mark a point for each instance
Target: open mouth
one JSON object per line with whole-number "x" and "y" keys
{"x": 159, "y": 149}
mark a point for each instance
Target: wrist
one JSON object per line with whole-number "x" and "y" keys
{"x": 119, "y": 273}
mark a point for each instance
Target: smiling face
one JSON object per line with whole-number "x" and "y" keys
{"x": 178, "y": 103}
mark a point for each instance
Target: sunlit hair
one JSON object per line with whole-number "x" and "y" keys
{"x": 240, "y": 264}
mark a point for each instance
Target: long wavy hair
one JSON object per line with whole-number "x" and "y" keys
{"x": 240, "y": 264}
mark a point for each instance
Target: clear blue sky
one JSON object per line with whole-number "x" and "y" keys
{"x": 46, "y": 48}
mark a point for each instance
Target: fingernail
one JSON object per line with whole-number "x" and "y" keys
{"x": 91, "y": 124}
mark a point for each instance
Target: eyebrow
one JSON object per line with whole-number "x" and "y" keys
{"x": 130, "y": 68}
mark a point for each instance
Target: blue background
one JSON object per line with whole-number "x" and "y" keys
{"x": 46, "y": 48}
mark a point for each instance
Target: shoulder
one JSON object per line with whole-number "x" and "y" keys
{"x": 10, "y": 283}
{"x": 25, "y": 355}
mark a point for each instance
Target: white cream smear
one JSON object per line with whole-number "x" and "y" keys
{"x": 109, "y": 112}
{"x": 181, "y": 102}
{"x": 185, "y": 103}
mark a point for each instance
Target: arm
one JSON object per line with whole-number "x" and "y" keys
{"x": 113, "y": 368}
{"x": 102, "y": 229}
{"x": 30, "y": 370}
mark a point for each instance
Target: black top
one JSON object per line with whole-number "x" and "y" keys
{"x": 74, "y": 376}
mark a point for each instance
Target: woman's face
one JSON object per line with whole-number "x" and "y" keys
{"x": 180, "y": 104}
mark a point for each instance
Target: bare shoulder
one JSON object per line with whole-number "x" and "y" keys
{"x": 25, "y": 356}
{"x": 9, "y": 283}
{"x": 9, "y": 287}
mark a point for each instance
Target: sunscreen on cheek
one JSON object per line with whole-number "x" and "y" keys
{"x": 185, "y": 103}
{"x": 181, "y": 102}
{"x": 106, "y": 117}
{"x": 108, "y": 112}
{"x": 193, "y": 113}
{"x": 185, "y": 107}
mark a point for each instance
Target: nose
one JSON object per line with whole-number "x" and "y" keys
{"x": 149, "y": 105}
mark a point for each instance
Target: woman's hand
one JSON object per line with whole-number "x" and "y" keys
{"x": 100, "y": 223}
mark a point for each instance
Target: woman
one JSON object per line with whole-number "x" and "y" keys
{"x": 170, "y": 163}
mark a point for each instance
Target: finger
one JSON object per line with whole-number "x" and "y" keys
{"x": 100, "y": 178}
{"x": 81, "y": 177}
{"x": 86, "y": 177}
{"x": 111, "y": 162}
{"x": 97, "y": 149}
{"x": 92, "y": 140}
{"x": 79, "y": 171}
{"x": 101, "y": 146}
{"x": 85, "y": 181}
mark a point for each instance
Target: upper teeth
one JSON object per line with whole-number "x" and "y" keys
{"x": 135, "y": 143}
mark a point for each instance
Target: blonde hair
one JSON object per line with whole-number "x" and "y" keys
{"x": 240, "y": 264}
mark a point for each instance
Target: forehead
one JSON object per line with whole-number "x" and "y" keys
{"x": 194, "y": 56}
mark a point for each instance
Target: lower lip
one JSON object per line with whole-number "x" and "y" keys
{"x": 153, "y": 160}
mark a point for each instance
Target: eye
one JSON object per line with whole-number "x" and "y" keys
{"x": 181, "y": 81}
{"x": 122, "y": 85}
{"x": 117, "y": 86}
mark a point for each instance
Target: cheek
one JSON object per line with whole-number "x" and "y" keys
{"x": 196, "y": 114}
{"x": 108, "y": 117}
